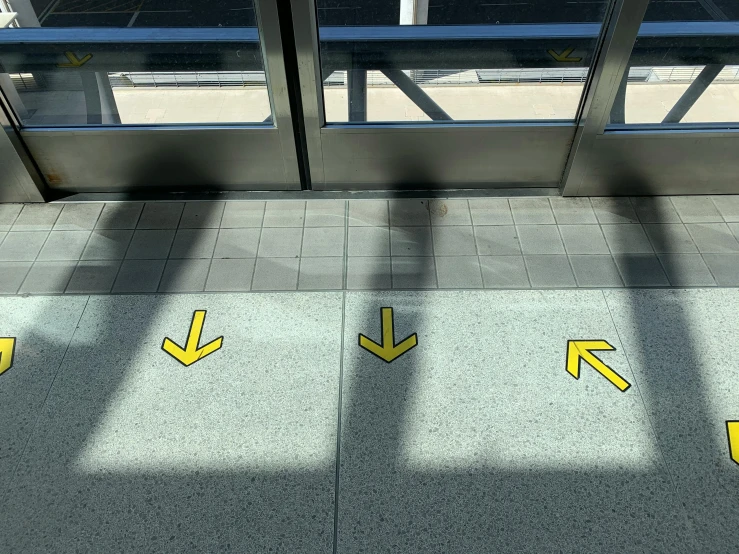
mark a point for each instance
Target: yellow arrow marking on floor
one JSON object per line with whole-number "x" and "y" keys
{"x": 580, "y": 349}
{"x": 564, "y": 56}
{"x": 74, "y": 61}
{"x": 7, "y": 352}
{"x": 191, "y": 353}
{"x": 732, "y": 430}
{"x": 388, "y": 350}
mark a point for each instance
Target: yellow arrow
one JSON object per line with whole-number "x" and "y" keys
{"x": 74, "y": 61}
{"x": 7, "y": 351}
{"x": 388, "y": 350}
{"x": 577, "y": 349}
{"x": 191, "y": 353}
{"x": 564, "y": 56}
{"x": 732, "y": 430}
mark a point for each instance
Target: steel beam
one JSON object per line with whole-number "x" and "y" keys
{"x": 693, "y": 92}
{"x": 416, "y": 94}
{"x": 356, "y": 82}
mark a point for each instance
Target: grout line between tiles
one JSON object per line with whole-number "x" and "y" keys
{"x": 338, "y": 427}
{"x": 345, "y": 261}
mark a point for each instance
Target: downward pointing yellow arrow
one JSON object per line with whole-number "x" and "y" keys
{"x": 577, "y": 349}
{"x": 388, "y": 350}
{"x": 732, "y": 430}
{"x": 74, "y": 61}
{"x": 191, "y": 353}
{"x": 564, "y": 56}
{"x": 7, "y": 350}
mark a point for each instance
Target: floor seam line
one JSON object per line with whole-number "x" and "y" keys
{"x": 338, "y": 427}
{"x": 48, "y": 392}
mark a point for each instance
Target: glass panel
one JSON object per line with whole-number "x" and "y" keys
{"x": 214, "y": 77}
{"x": 684, "y": 68}
{"x": 416, "y": 60}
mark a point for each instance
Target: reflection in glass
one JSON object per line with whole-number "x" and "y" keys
{"x": 415, "y": 60}
{"x": 690, "y": 78}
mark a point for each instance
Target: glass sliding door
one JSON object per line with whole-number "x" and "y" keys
{"x": 124, "y": 95}
{"x": 471, "y": 94}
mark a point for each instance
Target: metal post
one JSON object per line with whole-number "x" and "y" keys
{"x": 618, "y": 111}
{"x": 607, "y": 74}
{"x": 693, "y": 92}
{"x": 108, "y": 108}
{"x": 356, "y": 83}
{"x": 416, "y": 94}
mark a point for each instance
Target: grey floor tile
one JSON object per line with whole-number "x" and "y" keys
{"x": 573, "y": 211}
{"x": 696, "y": 209}
{"x": 670, "y": 238}
{"x": 713, "y": 238}
{"x": 551, "y": 271}
{"x": 490, "y": 211}
{"x": 641, "y": 270}
{"x": 728, "y": 206}
{"x": 161, "y": 215}
{"x": 230, "y": 275}
{"x": 409, "y": 212}
{"x": 321, "y": 273}
{"x": 43, "y": 327}
{"x": 187, "y": 275}
{"x": 497, "y": 240}
{"x": 369, "y": 241}
{"x": 454, "y": 241}
{"x": 139, "y": 276}
{"x": 686, "y": 270}
{"x": 134, "y": 433}
{"x": 276, "y": 274}
{"x": 413, "y": 272}
{"x": 528, "y": 211}
{"x": 614, "y": 210}
{"x": 78, "y": 217}
{"x": 238, "y": 215}
{"x": 596, "y": 271}
{"x": 150, "y": 244}
{"x": 724, "y": 267}
{"x": 539, "y": 239}
{"x": 411, "y": 241}
{"x": 47, "y": 277}
{"x": 237, "y": 243}
{"x": 323, "y": 241}
{"x": 194, "y": 243}
{"x": 433, "y": 453}
{"x": 627, "y": 239}
{"x": 677, "y": 341}
{"x": 504, "y": 272}
{"x": 655, "y": 209}
{"x": 280, "y": 242}
{"x": 325, "y": 213}
{"x": 120, "y": 215}
{"x": 64, "y": 245}
{"x": 368, "y": 273}
{"x": 202, "y": 215}
{"x": 12, "y": 275}
{"x": 22, "y": 246}
{"x": 583, "y": 239}
{"x": 93, "y": 277}
{"x": 37, "y": 217}
{"x": 458, "y": 272}
{"x": 8, "y": 215}
{"x": 286, "y": 213}
{"x": 372, "y": 213}
{"x": 734, "y": 228}
{"x": 107, "y": 244}
{"x": 449, "y": 212}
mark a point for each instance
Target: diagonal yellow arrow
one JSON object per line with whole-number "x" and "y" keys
{"x": 7, "y": 352}
{"x": 732, "y": 430}
{"x": 191, "y": 353}
{"x": 388, "y": 350}
{"x": 74, "y": 61}
{"x": 564, "y": 56}
{"x": 580, "y": 349}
